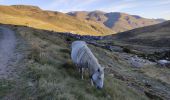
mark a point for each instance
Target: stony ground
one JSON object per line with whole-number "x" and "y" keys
{"x": 11, "y": 58}
{"x": 7, "y": 48}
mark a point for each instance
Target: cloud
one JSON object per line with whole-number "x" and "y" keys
{"x": 164, "y": 2}
{"x": 120, "y": 6}
{"x": 124, "y": 6}
{"x": 78, "y": 5}
{"x": 69, "y": 5}
{"x": 165, "y": 14}
{"x": 161, "y": 2}
{"x": 1, "y": 1}
{"x": 84, "y": 3}
{"x": 55, "y": 3}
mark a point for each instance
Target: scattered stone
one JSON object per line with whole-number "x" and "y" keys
{"x": 152, "y": 96}
{"x": 163, "y": 63}
{"x": 135, "y": 61}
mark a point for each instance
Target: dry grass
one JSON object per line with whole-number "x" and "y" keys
{"x": 115, "y": 20}
{"x": 51, "y": 74}
{"x": 5, "y": 87}
{"x": 47, "y": 20}
{"x": 158, "y": 72}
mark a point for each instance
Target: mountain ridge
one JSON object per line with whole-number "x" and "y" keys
{"x": 95, "y": 25}
{"x": 155, "y": 35}
{"x": 50, "y": 20}
{"x": 116, "y": 21}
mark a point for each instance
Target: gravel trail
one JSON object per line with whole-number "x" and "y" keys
{"x": 7, "y": 48}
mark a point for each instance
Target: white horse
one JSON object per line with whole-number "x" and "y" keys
{"x": 83, "y": 58}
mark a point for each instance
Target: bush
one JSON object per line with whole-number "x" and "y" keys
{"x": 127, "y": 50}
{"x": 70, "y": 68}
{"x": 5, "y": 87}
{"x": 35, "y": 53}
{"x": 65, "y": 51}
{"x": 69, "y": 39}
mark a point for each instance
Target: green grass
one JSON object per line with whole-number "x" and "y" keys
{"x": 5, "y": 87}
{"x": 161, "y": 74}
{"x": 51, "y": 75}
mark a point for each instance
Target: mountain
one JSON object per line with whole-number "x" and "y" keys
{"x": 96, "y": 23}
{"x": 161, "y": 20}
{"x": 116, "y": 21}
{"x": 155, "y": 35}
{"x": 33, "y": 16}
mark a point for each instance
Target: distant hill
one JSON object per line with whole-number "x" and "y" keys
{"x": 96, "y": 23}
{"x": 116, "y": 21}
{"x": 33, "y": 16}
{"x": 155, "y": 35}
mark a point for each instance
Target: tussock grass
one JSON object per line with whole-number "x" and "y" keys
{"x": 157, "y": 72}
{"x": 51, "y": 75}
{"x": 5, "y": 87}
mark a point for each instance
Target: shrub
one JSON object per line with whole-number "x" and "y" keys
{"x": 69, "y": 39}
{"x": 65, "y": 51}
{"x": 35, "y": 53}
{"x": 5, "y": 87}
{"x": 127, "y": 50}
{"x": 70, "y": 68}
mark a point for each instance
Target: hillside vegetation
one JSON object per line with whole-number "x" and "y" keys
{"x": 94, "y": 23}
{"x": 50, "y": 74}
{"x": 155, "y": 35}
{"x": 33, "y": 16}
{"x": 116, "y": 21}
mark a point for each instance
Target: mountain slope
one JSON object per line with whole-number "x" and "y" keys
{"x": 116, "y": 21}
{"x": 155, "y": 35}
{"x": 35, "y": 17}
{"x": 49, "y": 74}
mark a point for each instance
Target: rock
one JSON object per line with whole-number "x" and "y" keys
{"x": 164, "y": 63}
{"x": 135, "y": 61}
{"x": 152, "y": 95}
{"x": 116, "y": 48}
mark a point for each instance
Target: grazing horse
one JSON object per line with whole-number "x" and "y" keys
{"x": 83, "y": 58}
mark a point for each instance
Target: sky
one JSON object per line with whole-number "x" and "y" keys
{"x": 144, "y": 8}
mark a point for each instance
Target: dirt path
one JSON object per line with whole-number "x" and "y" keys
{"x": 13, "y": 55}
{"x": 7, "y": 47}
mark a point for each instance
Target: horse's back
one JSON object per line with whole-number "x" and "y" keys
{"x": 76, "y": 47}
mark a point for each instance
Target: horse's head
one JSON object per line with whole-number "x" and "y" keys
{"x": 98, "y": 78}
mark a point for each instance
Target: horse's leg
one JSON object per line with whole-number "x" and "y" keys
{"x": 92, "y": 82}
{"x": 77, "y": 67}
{"x": 82, "y": 72}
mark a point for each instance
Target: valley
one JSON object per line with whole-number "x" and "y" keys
{"x": 36, "y": 64}
{"x": 94, "y": 23}
{"x": 116, "y": 21}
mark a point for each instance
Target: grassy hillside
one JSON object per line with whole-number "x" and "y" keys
{"x": 116, "y": 21}
{"x": 35, "y": 17}
{"x": 50, "y": 74}
{"x": 155, "y": 35}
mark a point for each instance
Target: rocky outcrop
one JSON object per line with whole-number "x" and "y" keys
{"x": 136, "y": 61}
